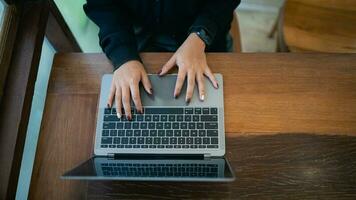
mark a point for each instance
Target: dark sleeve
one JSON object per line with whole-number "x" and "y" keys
{"x": 116, "y": 34}
{"x": 215, "y": 15}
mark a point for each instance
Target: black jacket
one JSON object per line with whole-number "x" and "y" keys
{"x": 126, "y": 26}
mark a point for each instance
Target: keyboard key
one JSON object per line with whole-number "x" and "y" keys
{"x": 197, "y": 140}
{"x": 157, "y": 140}
{"x": 124, "y": 140}
{"x": 111, "y": 118}
{"x": 201, "y": 146}
{"x": 135, "y": 125}
{"x": 140, "y": 140}
{"x": 175, "y": 125}
{"x": 106, "y": 140}
{"x": 195, "y": 118}
{"x": 152, "y": 146}
{"x": 137, "y": 132}
{"x": 145, "y": 133}
{"x": 181, "y": 140}
{"x": 202, "y": 133}
{"x": 212, "y": 146}
{"x": 105, "y": 133}
{"x": 107, "y": 111}
{"x": 172, "y": 118}
{"x": 151, "y": 125}
{"x": 148, "y": 140}
{"x": 197, "y": 111}
{"x": 109, "y": 125}
{"x": 120, "y": 132}
{"x": 144, "y": 146}
{"x": 183, "y": 125}
{"x": 172, "y": 140}
{"x": 132, "y": 140}
{"x": 139, "y": 118}
{"x": 185, "y": 133}
{"x": 187, "y": 118}
{"x": 209, "y": 118}
{"x": 164, "y": 110}
{"x": 120, "y": 146}
{"x": 214, "y": 140}
{"x": 167, "y": 125}
{"x": 206, "y": 140}
{"x": 165, "y": 140}
{"x": 189, "y": 140}
{"x": 193, "y": 146}
{"x": 177, "y": 146}
{"x": 191, "y": 125}
{"x": 212, "y": 133}
{"x": 128, "y": 125}
{"x": 128, "y": 146}
{"x": 188, "y": 111}
{"x": 169, "y": 133}
{"x": 213, "y": 111}
{"x": 129, "y": 132}
{"x": 193, "y": 133}
{"x": 148, "y": 118}
{"x": 161, "y": 133}
{"x": 179, "y": 118}
{"x": 160, "y": 146}
{"x": 113, "y": 132}
{"x": 112, "y": 146}
{"x": 164, "y": 118}
{"x": 159, "y": 125}
{"x": 153, "y": 133}
{"x": 136, "y": 146}
{"x": 211, "y": 125}
{"x": 185, "y": 146}
{"x": 113, "y": 111}
{"x": 200, "y": 125}
{"x": 169, "y": 146}
{"x": 177, "y": 133}
{"x": 104, "y": 146}
{"x": 205, "y": 111}
{"x": 143, "y": 125}
{"x": 119, "y": 125}
{"x": 155, "y": 118}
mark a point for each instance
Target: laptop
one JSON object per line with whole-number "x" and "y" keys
{"x": 170, "y": 141}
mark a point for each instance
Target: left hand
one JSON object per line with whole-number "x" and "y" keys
{"x": 191, "y": 61}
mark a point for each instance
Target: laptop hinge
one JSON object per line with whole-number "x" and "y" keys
{"x": 156, "y": 156}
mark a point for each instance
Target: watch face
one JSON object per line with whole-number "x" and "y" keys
{"x": 204, "y": 36}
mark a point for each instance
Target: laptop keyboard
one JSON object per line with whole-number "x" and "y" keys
{"x": 162, "y": 128}
{"x": 159, "y": 170}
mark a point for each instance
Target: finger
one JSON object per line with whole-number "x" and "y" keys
{"x": 171, "y": 63}
{"x": 211, "y": 77}
{"x": 190, "y": 87}
{"x": 179, "y": 83}
{"x": 146, "y": 83}
{"x": 135, "y": 95}
{"x": 118, "y": 102}
{"x": 111, "y": 95}
{"x": 126, "y": 101}
{"x": 201, "y": 86}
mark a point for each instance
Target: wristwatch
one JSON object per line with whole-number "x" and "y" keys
{"x": 203, "y": 35}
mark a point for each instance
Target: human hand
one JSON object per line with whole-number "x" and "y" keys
{"x": 191, "y": 61}
{"x": 125, "y": 85}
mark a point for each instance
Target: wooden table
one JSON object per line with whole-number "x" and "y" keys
{"x": 290, "y": 122}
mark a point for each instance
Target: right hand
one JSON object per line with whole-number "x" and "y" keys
{"x": 125, "y": 85}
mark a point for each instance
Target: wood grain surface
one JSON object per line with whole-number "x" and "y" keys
{"x": 284, "y": 166}
{"x": 264, "y": 94}
{"x": 320, "y": 25}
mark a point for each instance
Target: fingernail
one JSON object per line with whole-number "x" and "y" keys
{"x": 188, "y": 100}
{"x": 108, "y": 105}
{"x": 202, "y": 97}
{"x": 119, "y": 115}
{"x": 217, "y": 85}
{"x": 129, "y": 117}
{"x": 151, "y": 91}
{"x": 159, "y": 72}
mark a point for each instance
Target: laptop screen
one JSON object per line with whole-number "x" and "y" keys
{"x": 201, "y": 170}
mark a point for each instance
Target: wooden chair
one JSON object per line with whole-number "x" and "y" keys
{"x": 235, "y": 34}
{"x": 318, "y": 26}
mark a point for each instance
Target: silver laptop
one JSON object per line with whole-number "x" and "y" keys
{"x": 170, "y": 136}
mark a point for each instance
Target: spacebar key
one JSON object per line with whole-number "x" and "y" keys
{"x": 163, "y": 110}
